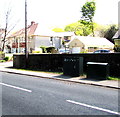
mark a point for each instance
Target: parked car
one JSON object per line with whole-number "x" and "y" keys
{"x": 64, "y": 51}
{"x": 102, "y": 51}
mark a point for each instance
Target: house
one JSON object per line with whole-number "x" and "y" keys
{"x": 47, "y": 38}
{"x": 88, "y": 44}
{"x": 116, "y": 38}
{"x": 66, "y": 36}
{"x": 17, "y": 39}
{"x": 36, "y": 38}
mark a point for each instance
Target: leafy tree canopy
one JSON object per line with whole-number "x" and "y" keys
{"x": 79, "y": 28}
{"x": 85, "y": 25}
{"x": 58, "y": 30}
{"x": 88, "y": 12}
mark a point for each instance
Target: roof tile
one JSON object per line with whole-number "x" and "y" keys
{"x": 30, "y": 30}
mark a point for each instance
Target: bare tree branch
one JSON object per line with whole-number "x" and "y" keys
{"x": 7, "y": 29}
{"x": 12, "y": 27}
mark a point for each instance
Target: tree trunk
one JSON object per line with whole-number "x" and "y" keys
{"x": 92, "y": 27}
{"x": 3, "y": 47}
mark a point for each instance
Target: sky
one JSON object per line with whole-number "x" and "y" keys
{"x": 56, "y": 13}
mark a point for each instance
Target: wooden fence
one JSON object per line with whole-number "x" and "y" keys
{"x": 54, "y": 62}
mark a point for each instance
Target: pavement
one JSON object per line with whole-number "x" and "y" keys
{"x": 7, "y": 67}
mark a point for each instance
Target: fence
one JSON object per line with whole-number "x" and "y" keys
{"x": 54, "y": 62}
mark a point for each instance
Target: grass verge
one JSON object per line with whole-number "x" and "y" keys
{"x": 37, "y": 70}
{"x": 113, "y": 78}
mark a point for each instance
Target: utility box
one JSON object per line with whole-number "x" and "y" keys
{"x": 97, "y": 70}
{"x": 19, "y": 61}
{"x": 73, "y": 66}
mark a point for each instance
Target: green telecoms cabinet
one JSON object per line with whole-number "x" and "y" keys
{"x": 98, "y": 71}
{"x": 73, "y": 66}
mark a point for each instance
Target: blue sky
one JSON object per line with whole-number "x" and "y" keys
{"x": 58, "y": 13}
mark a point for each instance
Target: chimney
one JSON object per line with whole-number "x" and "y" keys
{"x": 32, "y": 23}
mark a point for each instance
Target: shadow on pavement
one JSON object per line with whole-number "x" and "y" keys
{"x": 63, "y": 76}
{"x": 92, "y": 79}
{"x": 10, "y": 67}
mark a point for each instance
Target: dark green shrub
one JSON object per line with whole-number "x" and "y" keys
{"x": 43, "y": 49}
{"x": 50, "y": 49}
{"x": 6, "y": 58}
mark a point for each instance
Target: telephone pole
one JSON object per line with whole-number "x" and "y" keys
{"x": 26, "y": 38}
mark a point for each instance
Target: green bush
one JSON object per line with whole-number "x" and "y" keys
{"x": 113, "y": 78}
{"x": 6, "y": 58}
{"x": 47, "y": 49}
{"x": 36, "y": 52}
{"x": 50, "y": 49}
{"x": 2, "y": 60}
{"x": 43, "y": 49}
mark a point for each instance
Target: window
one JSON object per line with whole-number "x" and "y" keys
{"x": 51, "y": 39}
{"x": 65, "y": 37}
{"x": 22, "y": 39}
{"x": 91, "y": 49}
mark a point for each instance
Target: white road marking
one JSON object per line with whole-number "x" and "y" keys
{"x": 94, "y": 107}
{"x": 15, "y": 87}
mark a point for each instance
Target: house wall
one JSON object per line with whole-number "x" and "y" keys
{"x": 31, "y": 44}
{"x": 57, "y": 41}
{"x": 93, "y": 48}
{"x": 47, "y": 41}
{"x": 117, "y": 45}
{"x": 117, "y": 42}
{"x": 42, "y": 41}
{"x": 76, "y": 43}
{"x": 17, "y": 44}
{"x": 87, "y": 48}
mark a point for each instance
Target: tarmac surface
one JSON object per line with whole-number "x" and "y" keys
{"x": 7, "y": 67}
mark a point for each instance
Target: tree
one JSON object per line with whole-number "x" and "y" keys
{"x": 88, "y": 12}
{"x": 58, "y": 30}
{"x": 85, "y": 26}
{"x": 78, "y": 28}
{"x": 71, "y": 27}
{"x": 8, "y": 28}
{"x": 107, "y": 31}
{"x": 111, "y": 32}
{"x": 100, "y": 30}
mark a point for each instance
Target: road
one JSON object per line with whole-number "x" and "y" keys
{"x": 26, "y": 95}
